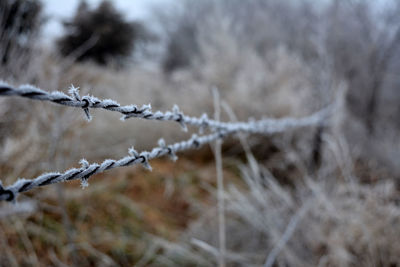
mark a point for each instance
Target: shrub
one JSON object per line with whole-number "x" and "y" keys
{"x": 100, "y": 34}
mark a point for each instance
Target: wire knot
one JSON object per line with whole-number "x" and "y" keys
{"x": 194, "y": 140}
{"x": 179, "y": 117}
{"x": 144, "y": 156}
{"x": 133, "y": 153}
{"x": 145, "y": 160}
{"x": 84, "y": 166}
{"x": 85, "y": 101}
{"x": 204, "y": 123}
{"x": 171, "y": 152}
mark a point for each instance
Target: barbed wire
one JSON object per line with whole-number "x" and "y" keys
{"x": 219, "y": 130}
{"x": 87, "y": 170}
{"x": 144, "y": 112}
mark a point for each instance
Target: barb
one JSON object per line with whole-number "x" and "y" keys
{"x": 88, "y": 102}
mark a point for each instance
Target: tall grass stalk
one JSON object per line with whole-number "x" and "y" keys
{"x": 220, "y": 185}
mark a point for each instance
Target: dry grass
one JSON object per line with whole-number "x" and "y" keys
{"x": 346, "y": 224}
{"x": 344, "y": 212}
{"x": 113, "y": 219}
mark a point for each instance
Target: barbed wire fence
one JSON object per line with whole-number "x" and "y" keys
{"x": 217, "y": 130}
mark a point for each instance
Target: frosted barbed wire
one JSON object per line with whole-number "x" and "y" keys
{"x": 87, "y": 170}
{"x": 220, "y": 130}
{"x": 144, "y": 112}
{"x": 22, "y": 185}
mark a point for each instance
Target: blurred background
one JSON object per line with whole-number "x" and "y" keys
{"x": 326, "y": 195}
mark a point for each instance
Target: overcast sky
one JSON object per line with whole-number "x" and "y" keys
{"x": 57, "y": 10}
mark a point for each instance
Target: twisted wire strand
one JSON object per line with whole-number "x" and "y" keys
{"x": 87, "y": 170}
{"x": 144, "y": 112}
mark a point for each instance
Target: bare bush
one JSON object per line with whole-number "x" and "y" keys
{"x": 100, "y": 35}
